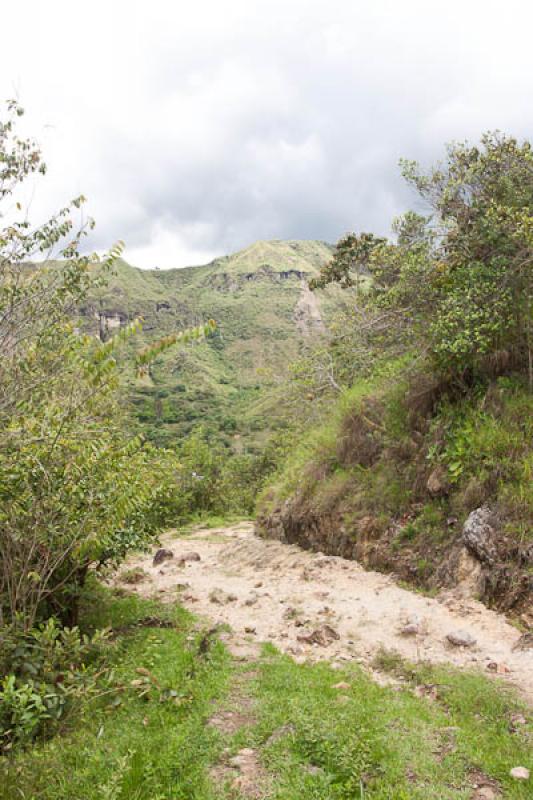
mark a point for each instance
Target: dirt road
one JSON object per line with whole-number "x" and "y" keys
{"x": 267, "y": 591}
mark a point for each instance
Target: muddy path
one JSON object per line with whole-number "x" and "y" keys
{"x": 324, "y": 607}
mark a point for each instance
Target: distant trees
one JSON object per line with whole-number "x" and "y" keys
{"x": 458, "y": 284}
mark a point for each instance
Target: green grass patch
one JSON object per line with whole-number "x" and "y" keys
{"x": 142, "y": 749}
{"x": 367, "y": 741}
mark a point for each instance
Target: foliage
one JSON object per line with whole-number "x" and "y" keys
{"x": 141, "y": 746}
{"x": 47, "y": 671}
{"x": 459, "y": 283}
{"x": 366, "y": 466}
{"x": 230, "y": 384}
{"x": 76, "y": 490}
{"x": 350, "y": 261}
{"x": 215, "y": 481}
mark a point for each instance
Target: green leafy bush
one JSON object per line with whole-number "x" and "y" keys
{"x": 46, "y": 672}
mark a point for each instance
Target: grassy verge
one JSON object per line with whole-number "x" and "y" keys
{"x": 438, "y": 734}
{"x": 143, "y": 748}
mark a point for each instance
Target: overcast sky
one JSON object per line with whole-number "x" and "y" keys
{"x": 198, "y": 127}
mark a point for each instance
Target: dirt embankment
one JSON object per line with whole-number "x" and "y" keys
{"x": 488, "y": 566}
{"x": 314, "y": 606}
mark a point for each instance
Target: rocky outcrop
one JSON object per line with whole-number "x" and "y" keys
{"x": 479, "y": 535}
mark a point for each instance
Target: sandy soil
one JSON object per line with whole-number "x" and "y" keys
{"x": 272, "y": 592}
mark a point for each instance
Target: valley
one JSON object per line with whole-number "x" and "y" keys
{"x": 230, "y": 384}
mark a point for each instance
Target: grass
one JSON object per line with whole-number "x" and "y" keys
{"x": 367, "y": 741}
{"x": 370, "y": 460}
{"x": 143, "y": 749}
{"x": 358, "y": 741}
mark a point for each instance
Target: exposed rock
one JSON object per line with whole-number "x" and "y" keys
{"x": 192, "y": 556}
{"x": 461, "y": 639}
{"x": 478, "y": 535}
{"x": 437, "y": 483}
{"x": 519, "y": 773}
{"x": 162, "y": 555}
{"x": 412, "y": 626}
{"x": 411, "y": 629}
{"x": 525, "y": 642}
{"x": 498, "y": 668}
{"x": 220, "y": 597}
{"x": 323, "y": 636}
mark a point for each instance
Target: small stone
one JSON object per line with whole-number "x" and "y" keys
{"x": 499, "y": 669}
{"x": 411, "y": 629}
{"x": 461, "y": 639}
{"x": 519, "y": 773}
{"x": 341, "y": 685}
{"x": 191, "y": 556}
{"x": 162, "y": 555}
{"x": 322, "y": 636}
{"x": 484, "y": 793}
{"x": 252, "y": 600}
{"x": 249, "y": 629}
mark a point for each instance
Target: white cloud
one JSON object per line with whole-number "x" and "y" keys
{"x": 195, "y": 128}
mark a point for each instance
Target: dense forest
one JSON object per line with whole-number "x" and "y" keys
{"x": 371, "y": 400}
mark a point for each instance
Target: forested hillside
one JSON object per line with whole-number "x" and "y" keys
{"x": 265, "y": 314}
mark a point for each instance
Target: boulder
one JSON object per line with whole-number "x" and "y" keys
{"x": 461, "y": 639}
{"x": 162, "y": 555}
{"x": 478, "y": 535}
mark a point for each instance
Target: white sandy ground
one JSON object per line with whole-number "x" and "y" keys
{"x": 283, "y": 592}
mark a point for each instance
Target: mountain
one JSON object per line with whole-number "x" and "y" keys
{"x": 265, "y": 313}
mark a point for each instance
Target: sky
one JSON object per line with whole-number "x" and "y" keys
{"x": 196, "y": 128}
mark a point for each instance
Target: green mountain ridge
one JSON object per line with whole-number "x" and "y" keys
{"x": 264, "y": 312}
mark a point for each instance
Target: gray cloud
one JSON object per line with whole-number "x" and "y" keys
{"x": 197, "y": 130}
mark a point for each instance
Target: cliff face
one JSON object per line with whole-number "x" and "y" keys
{"x": 264, "y": 313}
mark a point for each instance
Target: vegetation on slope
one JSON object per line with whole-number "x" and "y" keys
{"x": 441, "y": 424}
{"x": 230, "y": 385}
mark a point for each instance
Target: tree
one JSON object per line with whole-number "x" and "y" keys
{"x": 481, "y": 201}
{"x": 456, "y": 285}
{"x": 76, "y": 490}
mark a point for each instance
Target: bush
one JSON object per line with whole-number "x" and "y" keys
{"x": 47, "y": 671}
